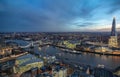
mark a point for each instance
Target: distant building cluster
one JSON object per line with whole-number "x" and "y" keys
{"x": 112, "y": 48}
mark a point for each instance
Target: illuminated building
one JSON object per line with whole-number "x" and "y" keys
{"x": 5, "y": 52}
{"x": 26, "y": 62}
{"x": 113, "y": 38}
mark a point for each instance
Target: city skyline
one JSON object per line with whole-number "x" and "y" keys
{"x": 58, "y": 15}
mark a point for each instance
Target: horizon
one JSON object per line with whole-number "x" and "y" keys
{"x": 59, "y": 16}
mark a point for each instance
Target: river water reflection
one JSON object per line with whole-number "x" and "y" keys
{"x": 111, "y": 62}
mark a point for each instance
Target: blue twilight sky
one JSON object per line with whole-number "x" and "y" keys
{"x": 58, "y": 15}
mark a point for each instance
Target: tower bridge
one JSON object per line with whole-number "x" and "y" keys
{"x": 31, "y": 44}
{"x": 28, "y": 44}
{"x": 34, "y": 43}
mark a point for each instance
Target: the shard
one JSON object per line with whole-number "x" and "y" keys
{"x": 113, "y": 32}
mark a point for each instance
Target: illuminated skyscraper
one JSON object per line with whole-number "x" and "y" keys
{"x": 113, "y": 32}
{"x": 113, "y": 38}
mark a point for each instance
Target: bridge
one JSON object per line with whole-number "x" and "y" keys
{"x": 28, "y": 44}
{"x": 19, "y": 42}
{"x": 33, "y": 43}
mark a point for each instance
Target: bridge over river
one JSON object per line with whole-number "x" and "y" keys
{"x": 25, "y": 44}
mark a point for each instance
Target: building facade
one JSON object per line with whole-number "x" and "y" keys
{"x": 4, "y": 52}
{"x": 102, "y": 72}
{"x": 113, "y": 38}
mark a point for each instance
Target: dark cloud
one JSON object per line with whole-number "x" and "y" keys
{"x": 84, "y": 24}
{"x": 114, "y": 5}
{"x": 51, "y": 15}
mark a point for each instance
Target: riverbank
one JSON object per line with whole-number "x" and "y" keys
{"x": 101, "y": 53}
{"x": 81, "y": 50}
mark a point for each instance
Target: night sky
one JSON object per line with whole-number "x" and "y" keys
{"x": 58, "y": 15}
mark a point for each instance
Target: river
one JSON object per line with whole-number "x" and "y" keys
{"x": 110, "y": 62}
{"x": 91, "y": 59}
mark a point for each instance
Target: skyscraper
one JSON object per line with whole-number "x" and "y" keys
{"x": 113, "y": 38}
{"x": 113, "y": 32}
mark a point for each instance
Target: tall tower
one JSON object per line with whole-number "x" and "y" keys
{"x": 113, "y": 38}
{"x": 113, "y": 32}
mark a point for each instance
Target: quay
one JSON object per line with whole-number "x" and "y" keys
{"x": 81, "y": 50}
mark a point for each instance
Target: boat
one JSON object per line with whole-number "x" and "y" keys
{"x": 72, "y": 51}
{"x": 100, "y": 65}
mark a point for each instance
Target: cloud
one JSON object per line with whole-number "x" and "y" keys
{"x": 55, "y": 15}
{"x": 84, "y": 24}
{"x": 114, "y": 6}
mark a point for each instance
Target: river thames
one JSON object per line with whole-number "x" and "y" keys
{"x": 91, "y": 59}
{"x": 84, "y": 58}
